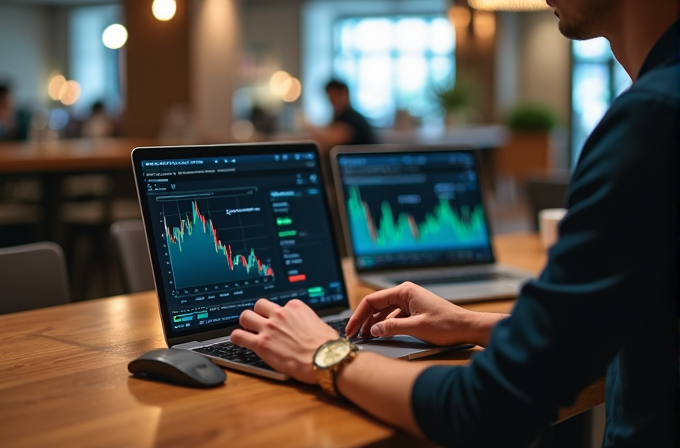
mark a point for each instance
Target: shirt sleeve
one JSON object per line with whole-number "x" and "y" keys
{"x": 610, "y": 274}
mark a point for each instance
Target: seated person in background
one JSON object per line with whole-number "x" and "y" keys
{"x": 13, "y": 123}
{"x": 349, "y": 127}
{"x": 605, "y": 304}
{"x": 98, "y": 124}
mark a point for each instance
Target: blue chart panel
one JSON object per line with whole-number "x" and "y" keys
{"x": 197, "y": 254}
{"x": 442, "y": 227}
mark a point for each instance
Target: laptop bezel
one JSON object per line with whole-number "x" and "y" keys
{"x": 147, "y": 153}
{"x": 401, "y": 148}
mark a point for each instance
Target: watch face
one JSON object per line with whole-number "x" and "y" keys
{"x": 331, "y": 353}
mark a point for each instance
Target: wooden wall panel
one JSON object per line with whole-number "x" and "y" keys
{"x": 157, "y": 66}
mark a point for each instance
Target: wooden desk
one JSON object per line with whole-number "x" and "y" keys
{"x": 69, "y": 155}
{"x": 64, "y": 382}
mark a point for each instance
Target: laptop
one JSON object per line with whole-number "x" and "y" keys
{"x": 416, "y": 213}
{"x": 227, "y": 225}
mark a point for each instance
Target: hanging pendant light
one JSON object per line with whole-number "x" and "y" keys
{"x": 509, "y": 5}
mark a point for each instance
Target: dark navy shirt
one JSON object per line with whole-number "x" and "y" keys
{"x": 362, "y": 133}
{"x": 606, "y": 302}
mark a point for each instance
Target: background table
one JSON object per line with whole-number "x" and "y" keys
{"x": 64, "y": 382}
{"x": 51, "y": 162}
{"x": 69, "y": 155}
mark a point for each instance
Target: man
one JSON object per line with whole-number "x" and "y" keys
{"x": 606, "y": 302}
{"x": 349, "y": 127}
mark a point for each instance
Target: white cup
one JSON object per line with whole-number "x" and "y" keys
{"x": 548, "y": 219}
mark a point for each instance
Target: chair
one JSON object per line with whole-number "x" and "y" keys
{"x": 20, "y": 211}
{"x": 32, "y": 276}
{"x": 132, "y": 251}
{"x": 546, "y": 191}
{"x": 88, "y": 208}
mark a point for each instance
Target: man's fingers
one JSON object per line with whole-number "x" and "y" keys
{"x": 375, "y": 318}
{"x": 265, "y": 308}
{"x": 252, "y": 321}
{"x": 244, "y": 338}
{"x": 396, "y": 296}
{"x": 393, "y": 327}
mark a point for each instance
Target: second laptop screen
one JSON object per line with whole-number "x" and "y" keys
{"x": 414, "y": 209}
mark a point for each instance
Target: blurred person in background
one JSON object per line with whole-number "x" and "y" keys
{"x": 348, "y": 127}
{"x": 99, "y": 124}
{"x": 13, "y": 122}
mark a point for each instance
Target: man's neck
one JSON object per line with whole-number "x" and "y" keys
{"x": 640, "y": 26}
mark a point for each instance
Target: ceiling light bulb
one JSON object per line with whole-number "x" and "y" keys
{"x": 55, "y": 86}
{"x": 279, "y": 83}
{"x": 164, "y": 10}
{"x": 115, "y": 36}
{"x": 509, "y": 5}
{"x": 293, "y": 91}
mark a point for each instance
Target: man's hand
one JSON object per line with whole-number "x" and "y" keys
{"x": 412, "y": 310}
{"x": 284, "y": 337}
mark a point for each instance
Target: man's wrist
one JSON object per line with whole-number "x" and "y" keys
{"x": 481, "y": 324}
{"x": 330, "y": 359}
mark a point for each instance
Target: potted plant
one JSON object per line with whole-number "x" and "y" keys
{"x": 528, "y": 150}
{"x": 458, "y": 101}
{"x": 532, "y": 117}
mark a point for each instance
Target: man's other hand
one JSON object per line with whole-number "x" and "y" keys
{"x": 412, "y": 310}
{"x": 285, "y": 337}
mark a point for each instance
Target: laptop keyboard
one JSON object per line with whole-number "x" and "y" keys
{"x": 339, "y": 325}
{"x": 455, "y": 278}
{"x": 235, "y": 353}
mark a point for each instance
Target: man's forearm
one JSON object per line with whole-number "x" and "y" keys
{"x": 481, "y": 326}
{"x": 382, "y": 387}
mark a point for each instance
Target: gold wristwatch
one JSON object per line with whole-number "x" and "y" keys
{"x": 329, "y": 360}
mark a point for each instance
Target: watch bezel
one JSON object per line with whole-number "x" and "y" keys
{"x": 326, "y": 344}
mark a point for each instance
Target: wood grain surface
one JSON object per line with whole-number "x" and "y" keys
{"x": 64, "y": 382}
{"x": 69, "y": 155}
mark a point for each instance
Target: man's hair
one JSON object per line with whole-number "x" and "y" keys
{"x": 335, "y": 84}
{"x": 4, "y": 89}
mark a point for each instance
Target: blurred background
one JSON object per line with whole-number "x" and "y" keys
{"x": 84, "y": 80}
{"x": 203, "y": 69}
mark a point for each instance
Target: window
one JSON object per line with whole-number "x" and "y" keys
{"x": 393, "y": 63}
{"x": 597, "y": 79}
{"x": 92, "y": 65}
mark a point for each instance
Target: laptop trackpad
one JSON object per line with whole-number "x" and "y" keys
{"x": 402, "y": 347}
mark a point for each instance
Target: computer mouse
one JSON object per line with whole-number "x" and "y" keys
{"x": 182, "y": 367}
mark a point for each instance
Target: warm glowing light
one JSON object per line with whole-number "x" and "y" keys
{"x": 69, "y": 93}
{"x": 56, "y": 83}
{"x": 279, "y": 83}
{"x": 242, "y": 130}
{"x": 484, "y": 23}
{"x": 460, "y": 16}
{"x": 164, "y": 9}
{"x": 509, "y": 5}
{"x": 293, "y": 92}
{"x": 115, "y": 36}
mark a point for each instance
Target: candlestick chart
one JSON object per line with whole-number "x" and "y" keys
{"x": 443, "y": 227}
{"x": 200, "y": 254}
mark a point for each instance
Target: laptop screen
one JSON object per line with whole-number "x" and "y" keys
{"x": 227, "y": 229}
{"x": 413, "y": 209}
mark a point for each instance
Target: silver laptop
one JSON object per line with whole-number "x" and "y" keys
{"x": 229, "y": 224}
{"x": 416, "y": 213}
